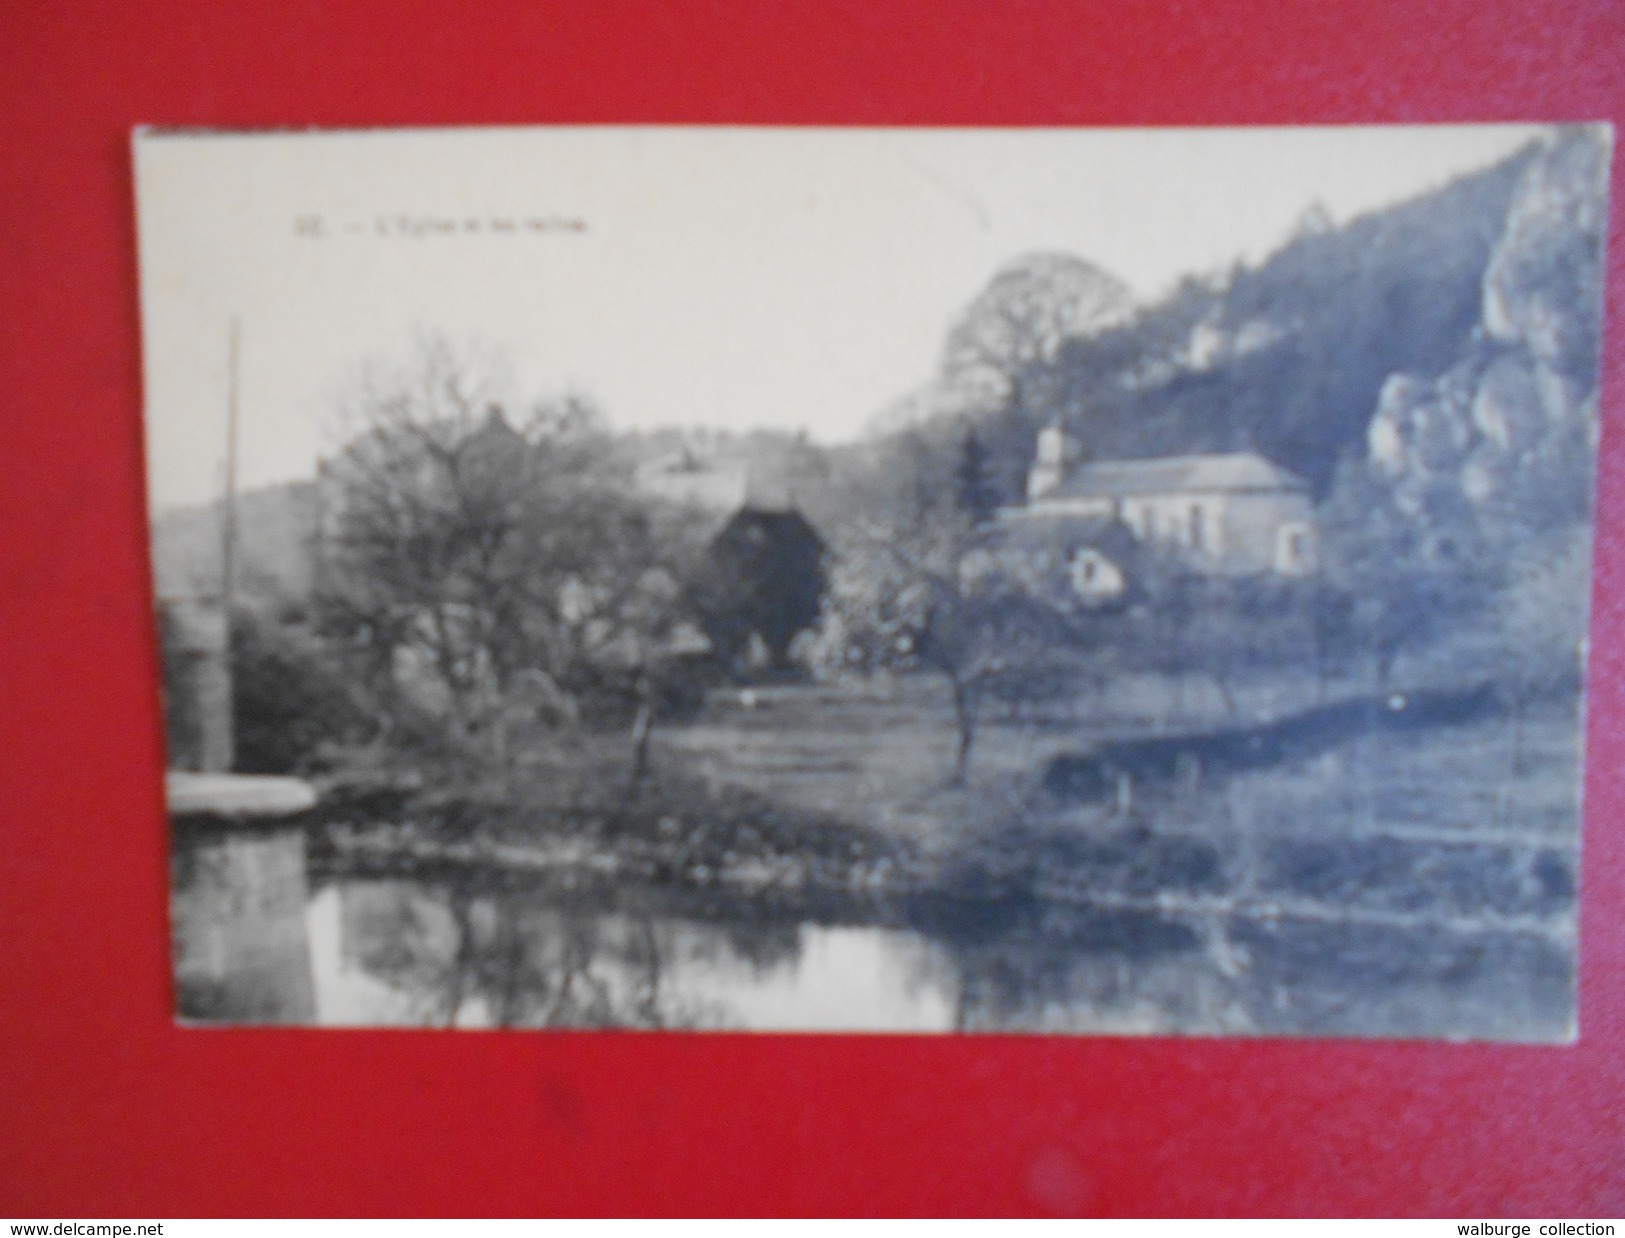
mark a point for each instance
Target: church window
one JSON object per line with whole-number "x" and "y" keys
{"x": 1294, "y": 549}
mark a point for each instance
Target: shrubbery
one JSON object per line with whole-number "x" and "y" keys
{"x": 290, "y": 702}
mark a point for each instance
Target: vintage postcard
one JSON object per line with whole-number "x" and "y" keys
{"x": 1119, "y": 581}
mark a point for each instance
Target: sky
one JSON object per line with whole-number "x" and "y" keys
{"x": 723, "y": 277}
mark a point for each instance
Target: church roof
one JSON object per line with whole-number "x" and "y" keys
{"x": 1231, "y": 471}
{"x": 1032, "y": 528}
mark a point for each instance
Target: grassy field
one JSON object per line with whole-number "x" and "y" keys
{"x": 882, "y": 754}
{"x": 1417, "y": 882}
{"x": 878, "y": 754}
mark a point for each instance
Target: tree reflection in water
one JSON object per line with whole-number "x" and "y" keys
{"x": 989, "y": 952}
{"x": 463, "y": 955}
{"x": 1037, "y": 966}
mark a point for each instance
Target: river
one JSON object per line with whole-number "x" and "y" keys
{"x": 261, "y": 937}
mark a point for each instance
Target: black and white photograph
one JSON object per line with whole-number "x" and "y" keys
{"x": 1094, "y": 582}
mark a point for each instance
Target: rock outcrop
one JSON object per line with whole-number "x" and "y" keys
{"x": 1524, "y": 394}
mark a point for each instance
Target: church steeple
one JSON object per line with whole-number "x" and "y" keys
{"x": 1056, "y": 451}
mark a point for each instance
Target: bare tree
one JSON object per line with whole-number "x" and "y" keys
{"x": 477, "y": 564}
{"x": 1017, "y": 325}
{"x": 921, "y": 585}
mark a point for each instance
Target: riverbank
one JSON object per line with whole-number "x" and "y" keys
{"x": 573, "y": 815}
{"x": 1383, "y": 883}
{"x": 1248, "y": 823}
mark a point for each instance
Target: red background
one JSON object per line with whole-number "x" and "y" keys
{"x": 105, "y": 1107}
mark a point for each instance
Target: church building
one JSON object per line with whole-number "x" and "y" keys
{"x": 1232, "y": 513}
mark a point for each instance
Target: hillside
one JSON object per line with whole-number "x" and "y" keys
{"x": 1288, "y": 357}
{"x": 1462, "y": 321}
{"x": 276, "y": 530}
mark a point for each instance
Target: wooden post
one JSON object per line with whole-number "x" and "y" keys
{"x": 219, "y": 746}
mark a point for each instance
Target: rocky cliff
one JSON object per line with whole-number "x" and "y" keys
{"x": 1516, "y": 415}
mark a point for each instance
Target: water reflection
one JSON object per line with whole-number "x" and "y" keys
{"x": 255, "y": 942}
{"x": 404, "y": 952}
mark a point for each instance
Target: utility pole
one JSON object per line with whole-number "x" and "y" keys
{"x": 228, "y": 547}
{"x": 219, "y": 739}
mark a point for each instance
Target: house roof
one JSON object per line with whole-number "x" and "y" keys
{"x": 692, "y": 480}
{"x": 683, "y": 461}
{"x": 1232, "y": 471}
{"x": 777, "y": 521}
{"x": 1033, "y": 529}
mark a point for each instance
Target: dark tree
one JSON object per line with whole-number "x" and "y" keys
{"x": 289, "y": 697}
{"x": 763, "y": 575}
{"x": 975, "y": 491}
